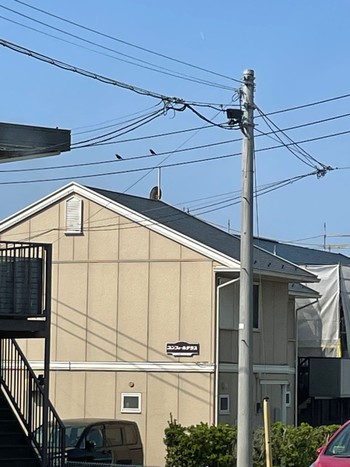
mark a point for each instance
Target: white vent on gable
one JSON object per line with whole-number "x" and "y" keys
{"x": 74, "y": 215}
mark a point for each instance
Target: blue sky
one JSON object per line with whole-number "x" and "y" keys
{"x": 298, "y": 49}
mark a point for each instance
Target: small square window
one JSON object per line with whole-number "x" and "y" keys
{"x": 131, "y": 403}
{"x": 224, "y": 404}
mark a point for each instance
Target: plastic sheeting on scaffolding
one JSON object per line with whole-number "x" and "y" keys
{"x": 319, "y": 320}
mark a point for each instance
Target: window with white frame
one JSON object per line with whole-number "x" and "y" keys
{"x": 74, "y": 216}
{"x": 131, "y": 402}
{"x": 224, "y": 404}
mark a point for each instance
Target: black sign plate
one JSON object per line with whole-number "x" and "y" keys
{"x": 182, "y": 349}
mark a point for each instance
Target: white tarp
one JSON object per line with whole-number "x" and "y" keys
{"x": 345, "y": 298}
{"x": 318, "y": 320}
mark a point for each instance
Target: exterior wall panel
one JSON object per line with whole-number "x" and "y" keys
{"x": 101, "y": 227}
{"x": 162, "y": 249}
{"x": 101, "y": 336}
{"x": 133, "y": 241}
{"x": 195, "y": 397}
{"x": 70, "y": 394}
{"x": 71, "y": 324}
{"x": 162, "y": 400}
{"x": 164, "y": 309}
{"x": 132, "y": 312}
{"x": 196, "y": 318}
{"x": 100, "y": 395}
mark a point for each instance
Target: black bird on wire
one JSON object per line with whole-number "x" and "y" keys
{"x": 152, "y": 152}
{"x": 118, "y": 157}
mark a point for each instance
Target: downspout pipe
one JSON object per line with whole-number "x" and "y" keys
{"x": 217, "y": 344}
{"x": 296, "y": 359}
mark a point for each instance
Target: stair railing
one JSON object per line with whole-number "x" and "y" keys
{"x": 26, "y": 392}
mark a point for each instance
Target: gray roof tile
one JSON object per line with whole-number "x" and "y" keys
{"x": 206, "y": 234}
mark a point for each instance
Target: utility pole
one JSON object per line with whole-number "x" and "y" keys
{"x": 245, "y": 333}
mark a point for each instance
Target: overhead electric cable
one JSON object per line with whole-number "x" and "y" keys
{"x": 145, "y": 64}
{"x": 232, "y": 200}
{"x": 310, "y": 104}
{"x": 159, "y": 135}
{"x": 166, "y": 158}
{"x": 261, "y": 192}
{"x": 120, "y": 172}
{"x": 115, "y": 120}
{"x": 144, "y": 49}
{"x": 135, "y": 124}
{"x": 142, "y": 169}
{"x": 268, "y": 148}
{"x": 88, "y": 74}
{"x": 304, "y": 156}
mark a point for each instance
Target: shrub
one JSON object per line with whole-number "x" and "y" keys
{"x": 215, "y": 446}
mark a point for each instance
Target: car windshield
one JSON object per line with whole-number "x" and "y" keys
{"x": 73, "y": 434}
{"x": 340, "y": 445}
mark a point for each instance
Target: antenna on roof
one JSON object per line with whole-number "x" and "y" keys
{"x": 156, "y": 192}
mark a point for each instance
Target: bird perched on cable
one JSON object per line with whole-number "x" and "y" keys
{"x": 118, "y": 157}
{"x": 152, "y": 152}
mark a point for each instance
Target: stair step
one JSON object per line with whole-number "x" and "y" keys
{"x": 20, "y": 450}
{"x": 19, "y": 462}
{"x": 9, "y": 425}
{"x": 10, "y": 438}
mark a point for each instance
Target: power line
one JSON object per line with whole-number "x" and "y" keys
{"x": 260, "y": 192}
{"x": 204, "y": 209}
{"x": 268, "y": 148}
{"x": 304, "y": 106}
{"x": 144, "y": 65}
{"x": 88, "y": 74}
{"x": 141, "y": 169}
{"x": 176, "y": 132}
{"x": 144, "y": 49}
{"x": 167, "y": 157}
{"x": 67, "y": 166}
{"x": 94, "y": 127}
{"x": 159, "y": 135}
{"x": 294, "y": 148}
{"x": 125, "y": 129}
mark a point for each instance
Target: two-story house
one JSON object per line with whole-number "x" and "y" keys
{"x": 145, "y": 301}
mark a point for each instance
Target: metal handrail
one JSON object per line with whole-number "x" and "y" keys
{"x": 23, "y": 284}
{"x": 26, "y": 393}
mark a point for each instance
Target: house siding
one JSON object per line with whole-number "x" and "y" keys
{"x": 121, "y": 292}
{"x": 273, "y": 346}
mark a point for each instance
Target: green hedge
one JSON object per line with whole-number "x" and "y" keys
{"x": 215, "y": 446}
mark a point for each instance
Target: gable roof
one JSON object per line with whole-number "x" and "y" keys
{"x": 301, "y": 291}
{"x": 176, "y": 224}
{"x": 302, "y": 255}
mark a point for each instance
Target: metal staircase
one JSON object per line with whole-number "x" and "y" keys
{"x": 31, "y": 432}
{"x": 15, "y": 447}
{"x": 27, "y": 413}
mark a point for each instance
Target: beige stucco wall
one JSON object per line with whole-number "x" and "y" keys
{"x": 120, "y": 293}
{"x": 269, "y": 340}
{"x": 273, "y": 345}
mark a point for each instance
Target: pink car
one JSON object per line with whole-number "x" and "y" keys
{"x": 336, "y": 453}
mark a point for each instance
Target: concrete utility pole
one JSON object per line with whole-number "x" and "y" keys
{"x": 245, "y": 333}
